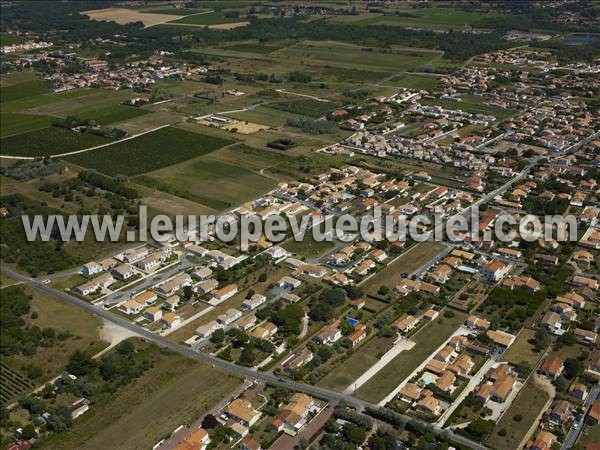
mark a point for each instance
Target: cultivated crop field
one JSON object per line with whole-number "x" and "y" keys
{"x": 124, "y": 16}
{"x": 110, "y": 114}
{"x": 48, "y": 141}
{"x": 152, "y": 151}
{"x": 352, "y": 56}
{"x": 11, "y": 124}
{"x": 23, "y": 90}
{"x": 209, "y": 18}
{"x": 12, "y": 384}
{"x": 311, "y": 108}
{"x": 216, "y": 184}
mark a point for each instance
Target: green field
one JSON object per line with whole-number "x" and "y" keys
{"x": 408, "y": 262}
{"x": 252, "y": 48}
{"x": 23, "y": 90}
{"x": 22, "y": 123}
{"x": 355, "y": 57}
{"x": 427, "y": 340}
{"x": 10, "y": 39}
{"x": 106, "y": 115}
{"x": 48, "y": 141}
{"x": 308, "y": 247}
{"x": 474, "y": 105}
{"x": 311, "y": 108}
{"x": 415, "y": 81}
{"x": 152, "y": 151}
{"x": 36, "y": 101}
{"x": 211, "y": 18}
{"x": 529, "y": 403}
{"x": 430, "y": 18}
{"x": 173, "y": 11}
{"x": 180, "y": 389}
{"x": 211, "y": 182}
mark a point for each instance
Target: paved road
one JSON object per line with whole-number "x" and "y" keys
{"x": 216, "y": 362}
{"x": 573, "y": 433}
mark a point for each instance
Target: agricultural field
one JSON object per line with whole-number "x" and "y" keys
{"x": 48, "y": 141}
{"x": 107, "y": 115}
{"x": 23, "y": 90}
{"x": 352, "y": 56}
{"x": 208, "y": 18}
{"x": 10, "y": 39}
{"x": 252, "y": 48}
{"x": 12, "y": 384}
{"x": 311, "y": 108}
{"x": 37, "y": 103}
{"x": 124, "y": 16}
{"x": 427, "y": 340}
{"x": 209, "y": 181}
{"x": 411, "y": 81}
{"x": 430, "y": 18}
{"x": 14, "y": 123}
{"x": 181, "y": 389}
{"x": 147, "y": 152}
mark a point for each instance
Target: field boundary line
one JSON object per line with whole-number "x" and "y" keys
{"x": 87, "y": 149}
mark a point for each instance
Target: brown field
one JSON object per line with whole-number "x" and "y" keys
{"x": 228, "y": 26}
{"x": 123, "y": 16}
{"x": 238, "y": 126}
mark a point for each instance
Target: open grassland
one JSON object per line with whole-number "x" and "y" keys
{"x": 23, "y": 90}
{"x": 152, "y": 151}
{"x": 309, "y": 107}
{"x": 48, "y": 141}
{"x": 474, "y": 105}
{"x": 523, "y": 351}
{"x": 106, "y": 115}
{"x": 11, "y": 39}
{"x": 308, "y": 247}
{"x": 51, "y": 313}
{"x": 415, "y": 81}
{"x": 411, "y": 260}
{"x": 11, "y": 124}
{"x": 352, "y": 56}
{"x": 357, "y": 364}
{"x": 16, "y": 77}
{"x": 427, "y": 340}
{"x": 211, "y": 182}
{"x": 529, "y": 404}
{"x": 430, "y": 18}
{"x": 252, "y": 48}
{"x": 208, "y": 18}
{"x": 181, "y": 389}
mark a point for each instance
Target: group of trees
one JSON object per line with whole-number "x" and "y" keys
{"x": 24, "y": 170}
{"x": 313, "y": 126}
{"x": 323, "y": 308}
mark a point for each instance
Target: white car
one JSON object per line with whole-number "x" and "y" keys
{"x": 46, "y": 281}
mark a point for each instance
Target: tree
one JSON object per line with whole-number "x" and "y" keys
{"x": 81, "y": 364}
{"x": 354, "y": 433}
{"x": 209, "y": 422}
{"x": 248, "y": 355}
{"x": 218, "y": 336}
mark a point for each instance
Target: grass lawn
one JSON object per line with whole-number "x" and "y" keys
{"x": 48, "y": 141}
{"x": 11, "y": 124}
{"x": 427, "y": 340}
{"x": 53, "y": 313}
{"x": 591, "y": 434}
{"x": 529, "y": 402}
{"x": 23, "y": 90}
{"x": 152, "y": 151}
{"x": 180, "y": 389}
{"x": 211, "y": 182}
{"x": 211, "y": 18}
{"x": 408, "y": 262}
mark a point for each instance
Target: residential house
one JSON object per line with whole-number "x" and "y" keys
{"x": 289, "y": 283}
{"x": 253, "y": 302}
{"x": 552, "y": 367}
{"x": 225, "y": 292}
{"x": 171, "y": 320}
{"x": 300, "y": 358}
{"x": 264, "y": 331}
{"x": 495, "y": 270}
{"x": 410, "y": 392}
{"x": 544, "y": 440}
{"x": 358, "y": 335}
{"x": 153, "y": 313}
{"x": 477, "y": 323}
{"x": 329, "y": 334}
{"x": 230, "y": 316}
{"x": 241, "y": 411}
{"x": 294, "y": 414}
{"x": 405, "y": 323}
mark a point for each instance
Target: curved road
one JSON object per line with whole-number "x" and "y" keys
{"x": 216, "y": 362}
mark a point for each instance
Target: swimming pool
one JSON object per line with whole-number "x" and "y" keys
{"x": 428, "y": 378}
